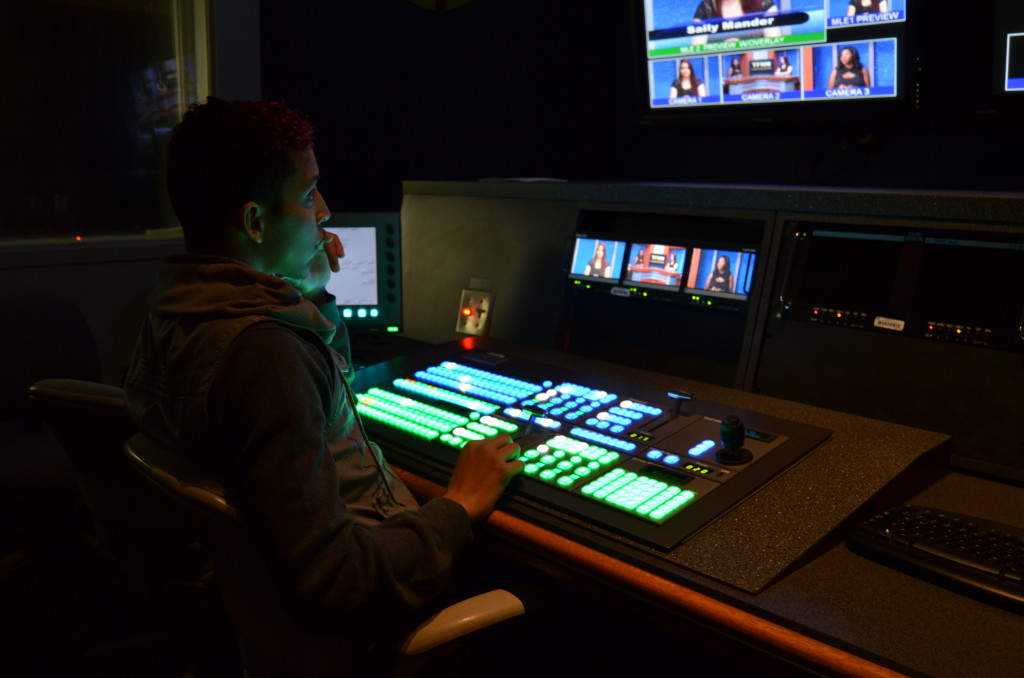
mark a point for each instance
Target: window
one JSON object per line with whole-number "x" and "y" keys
{"x": 92, "y": 89}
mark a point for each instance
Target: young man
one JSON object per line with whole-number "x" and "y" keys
{"x": 243, "y": 364}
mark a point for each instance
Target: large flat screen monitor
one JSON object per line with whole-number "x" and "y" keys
{"x": 715, "y": 59}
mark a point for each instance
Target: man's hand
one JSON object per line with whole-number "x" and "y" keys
{"x": 484, "y": 468}
{"x": 312, "y": 286}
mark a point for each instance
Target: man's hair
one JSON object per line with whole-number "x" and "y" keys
{"x": 225, "y": 153}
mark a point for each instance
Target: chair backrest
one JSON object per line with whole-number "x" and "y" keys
{"x": 271, "y": 640}
{"x": 91, "y": 423}
{"x": 47, "y": 336}
{"x": 137, "y": 525}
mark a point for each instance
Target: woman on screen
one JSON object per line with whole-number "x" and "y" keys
{"x": 866, "y": 7}
{"x": 730, "y": 9}
{"x": 784, "y": 68}
{"x": 687, "y": 84}
{"x": 599, "y": 266}
{"x": 720, "y": 279}
{"x": 735, "y": 68}
{"x": 849, "y": 72}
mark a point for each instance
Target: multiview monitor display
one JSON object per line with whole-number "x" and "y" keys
{"x": 662, "y": 269}
{"x": 702, "y": 53}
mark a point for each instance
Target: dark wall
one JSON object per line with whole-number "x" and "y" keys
{"x": 547, "y": 88}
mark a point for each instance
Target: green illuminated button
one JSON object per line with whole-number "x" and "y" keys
{"x": 500, "y": 424}
{"x": 565, "y": 462}
{"x": 638, "y": 495}
{"x": 444, "y": 395}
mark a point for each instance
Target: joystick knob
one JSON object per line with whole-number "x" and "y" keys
{"x": 733, "y": 435}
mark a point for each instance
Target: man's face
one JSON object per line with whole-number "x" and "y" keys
{"x": 292, "y": 233}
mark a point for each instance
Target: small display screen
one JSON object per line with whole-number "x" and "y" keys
{"x": 599, "y": 258}
{"x": 355, "y": 283}
{"x": 721, "y": 273}
{"x": 1008, "y": 37}
{"x": 656, "y": 265}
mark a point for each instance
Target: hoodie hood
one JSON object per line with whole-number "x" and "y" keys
{"x": 199, "y": 288}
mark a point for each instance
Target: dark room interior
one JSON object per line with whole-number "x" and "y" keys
{"x": 737, "y": 344}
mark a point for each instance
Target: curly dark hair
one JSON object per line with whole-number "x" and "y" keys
{"x": 225, "y": 153}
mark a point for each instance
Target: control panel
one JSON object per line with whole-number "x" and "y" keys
{"x": 653, "y": 466}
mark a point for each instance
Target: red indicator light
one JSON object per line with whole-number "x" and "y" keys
{"x": 815, "y": 311}
{"x": 78, "y": 238}
{"x": 467, "y": 311}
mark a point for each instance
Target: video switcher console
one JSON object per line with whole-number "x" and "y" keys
{"x": 650, "y": 465}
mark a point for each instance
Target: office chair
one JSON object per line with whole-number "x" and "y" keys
{"x": 272, "y": 644}
{"x": 152, "y": 548}
{"x": 45, "y": 336}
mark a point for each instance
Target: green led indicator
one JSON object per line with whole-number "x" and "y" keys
{"x": 394, "y": 328}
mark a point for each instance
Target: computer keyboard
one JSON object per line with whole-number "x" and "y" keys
{"x": 980, "y": 558}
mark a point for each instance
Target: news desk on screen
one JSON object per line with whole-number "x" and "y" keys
{"x": 761, "y": 83}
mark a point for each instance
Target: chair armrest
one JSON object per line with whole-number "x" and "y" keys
{"x": 463, "y": 618}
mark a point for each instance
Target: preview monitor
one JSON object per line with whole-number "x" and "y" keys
{"x": 656, "y": 265}
{"x": 368, "y": 286}
{"x": 755, "y": 55}
{"x": 598, "y": 259}
{"x": 725, "y": 274}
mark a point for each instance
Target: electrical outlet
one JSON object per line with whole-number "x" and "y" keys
{"x": 474, "y": 313}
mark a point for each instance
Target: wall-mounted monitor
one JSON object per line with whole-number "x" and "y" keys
{"x": 769, "y": 59}
{"x": 1007, "y": 35}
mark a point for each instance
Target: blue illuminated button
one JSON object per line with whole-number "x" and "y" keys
{"x": 672, "y": 459}
{"x": 654, "y": 454}
{"x": 641, "y": 407}
{"x": 701, "y": 448}
{"x": 603, "y": 439}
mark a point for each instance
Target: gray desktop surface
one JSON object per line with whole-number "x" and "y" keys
{"x": 865, "y": 462}
{"x": 781, "y": 554}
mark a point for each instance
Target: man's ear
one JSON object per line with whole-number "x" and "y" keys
{"x": 252, "y": 221}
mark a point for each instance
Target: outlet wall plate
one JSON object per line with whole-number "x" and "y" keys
{"x": 474, "y": 313}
